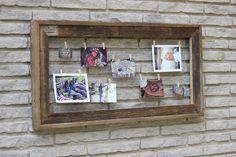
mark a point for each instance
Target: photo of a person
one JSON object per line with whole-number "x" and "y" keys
{"x": 93, "y": 57}
{"x": 71, "y": 88}
{"x": 166, "y": 58}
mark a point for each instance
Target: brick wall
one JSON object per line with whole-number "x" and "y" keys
{"x": 214, "y": 135}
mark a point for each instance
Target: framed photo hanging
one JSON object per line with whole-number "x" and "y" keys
{"x": 71, "y": 88}
{"x": 166, "y": 58}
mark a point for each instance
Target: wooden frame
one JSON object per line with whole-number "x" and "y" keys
{"x": 43, "y": 119}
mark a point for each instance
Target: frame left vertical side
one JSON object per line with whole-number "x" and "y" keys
{"x": 35, "y": 74}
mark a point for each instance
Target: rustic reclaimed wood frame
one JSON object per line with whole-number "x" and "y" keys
{"x": 43, "y": 119}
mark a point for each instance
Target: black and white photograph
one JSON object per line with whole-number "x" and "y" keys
{"x": 166, "y": 58}
{"x": 71, "y": 88}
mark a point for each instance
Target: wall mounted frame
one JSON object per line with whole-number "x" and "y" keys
{"x": 43, "y": 119}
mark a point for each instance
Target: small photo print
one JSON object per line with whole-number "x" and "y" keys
{"x": 123, "y": 68}
{"x": 166, "y": 58}
{"x": 93, "y": 57}
{"x": 103, "y": 92}
{"x": 71, "y": 88}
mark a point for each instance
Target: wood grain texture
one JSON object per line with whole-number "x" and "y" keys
{"x": 43, "y": 119}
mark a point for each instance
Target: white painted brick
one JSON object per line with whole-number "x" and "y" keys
{"x": 180, "y": 7}
{"x": 15, "y": 112}
{"x": 138, "y": 154}
{"x": 211, "y": 20}
{"x": 82, "y": 136}
{"x": 13, "y": 42}
{"x": 233, "y": 89}
{"x": 15, "y": 14}
{"x": 57, "y": 151}
{"x": 218, "y": 55}
{"x": 135, "y": 132}
{"x": 166, "y": 18}
{"x": 232, "y": 112}
{"x": 216, "y": 9}
{"x": 220, "y": 101}
{"x": 183, "y": 128}
{"x": 217, "y": 90}
{"x": 232, "y": 44}
{"x": 233, "y": 123}
{"x": 217, "y": 124}
{"x": 14, "y": 56}
{"x": 17, "y": 153}
{"x": 234, "y": 21}
{"x": 219, "y": 148}
{"x": 25, "y": 140}
{"x": 216, "y": 67}
{"x": 233, "y": 135}
{"x": 115, "y": 17}
{"x": 209, "y": 137}
{"x": 215, "y": 43}
{"x": 113, "y": 146}
{"x": 81, "y": 4}
{"x": 212, "y": 1}
{"x": 114, "y": 43}
{"x": 219, "y": 79}
{"x": 14, "y": 127}
{"x": 181, "y": 152}
{"x": 61, "y": 15}
{"x": 10, "y": 98}
{"x": 40, "y": 3}
{"x": 14, "y": 28}
{"x": 217, "y": 113}
{"x": 132, "y": 5}
{"x": 15, "y": 84}
{"x": 14, "y": 70}
{"x": 220, "y": 32}
{"x": 156, "y": 142}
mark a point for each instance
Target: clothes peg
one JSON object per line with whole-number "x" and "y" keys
{"x": 130, "y": 57}
{"x": 179, "y": 43}
{"x": 178, "y": 84}
{"x": 61, "y": 71}
{"x": 85, "y": 45}
{"x": 113, "y": 58}
{"x": 66, "y": 45}
{"x": 154, "y": 42}
{"x": 158, "y": 76}
{"x": 103, "y": 46}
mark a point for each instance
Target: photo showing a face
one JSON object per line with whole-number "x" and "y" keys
{"x": 69, "y": 88}
{"x": 93, "y": 57}
{"x": 166, "y": 58}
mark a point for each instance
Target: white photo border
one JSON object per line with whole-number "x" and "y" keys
{"x": 153, "y": 58}
{"x": 71, "y": 75}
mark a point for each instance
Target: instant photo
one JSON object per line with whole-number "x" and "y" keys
{"x": 93, "y": 57}
{"x": 71, "y": 88}
{"x": 123, "y": 68}
{"x": 166, "y": 58}
{"x": 103, "y": 92}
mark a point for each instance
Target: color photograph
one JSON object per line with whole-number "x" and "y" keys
{"x": 166, "y": 58}
{"x": 123, "y": 68}
{"x": 93, "y": 57}
{"x": 71, "y": 88}
{"x": 103, "y": 92}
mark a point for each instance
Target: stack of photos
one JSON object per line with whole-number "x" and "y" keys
{"x": 123, "y": 68}
{"x": 93, "y": 57}
{"x": 71, "y": 88}
{"x": 103, "y": 92}
{"x": 166, "y": 58}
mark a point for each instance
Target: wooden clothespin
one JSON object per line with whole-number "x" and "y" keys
{"x": 103, "y": 46}
{"x": 178, "y": 84}
{"x": 79, "y": 71}
{"x": 179, "y": 43}
{"x": 85, "y": 45}
{"x": 61, "y": 71}
{"x": 65, "y": 44}
{"x": 154, "y": 42}
{"x": 158, "y": 76}
{"x": 130, "y": 57}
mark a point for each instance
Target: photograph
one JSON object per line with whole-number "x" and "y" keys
{"x": 166, "y": 58}
{"x": 123, "y": 68}
{"x": 103, "y": 92}
{"x": 71, "y": 88}
{"x": 93, "y": 57}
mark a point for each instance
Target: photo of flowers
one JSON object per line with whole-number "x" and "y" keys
{"x": 93, "y": 57}
{"x": 166, "y": 58}
{"x": 103, "y": 92}
{"x": 71, "y": 88}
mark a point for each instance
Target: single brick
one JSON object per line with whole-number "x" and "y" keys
{"x": 220, "y": 101}
{"x": 180, "y": 152}
{"x": 38, "y": 3}
{"x": 14, "y": 28}
{"x": 11, "y": 153}
{"x": 217, "y": 124}
{"x": 216, "y": 9}
{"x": 180, "y": 7}
{"x": 132, "y": 5}
{"x": 15, "y": 112}
{"x": 13, "y": 42}
{"x": 15, "y": 14}
{"x": 166, "y": 18}
{"x": 14, "y": 98}
{"x": 219, "y": 148}
{"x": 220, "y": 32}
{"x": 217, "y": 90}
{"x": 211, "y": 20}
{"x": 219, "y": 78}
{"x": 14, "y": 70}
{"x": 212, "y": 1}
{"x": 14, "y": 127}
{"x": 216, "y": 67}
{"x": 15, "y": 84}
{"x": 217, "y": 113}
{"x": 81, "y": 4}
{"x": 14, "y": 56}
{"x": 215, "y": 43}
